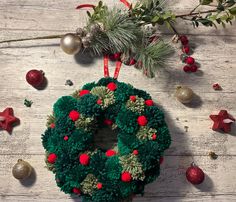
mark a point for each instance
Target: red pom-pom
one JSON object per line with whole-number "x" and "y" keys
{"x": 66, "y": 138}
{"x": 74, "y": 115}
{"x": 187, "y": 68}
{"x": 52, "y": 158}
{"x": 195, "y": 175}
{"x": 161, "y": 160}
{"x": 110, "y": 153}
{"x": 126, "y": 177}
{"x": 193, "y": 68}
{"x": 83, "y": 92}
{"x": 76, "y": 190}
{"x": 135, "y": 152}
{"x": 154, "y": 136}
{"x": 184, "y": 40}
{"x": 99, "y": 101}
{"x": 149, "y": 102}
{"x": 52, "y": 125}
{"x": 190, "y": 60}
{"x": 108, "y": 122}
{"x": 84, "y": 159}
{"x": 142, "y": 120}
{"x": 99, "y": 185}
{"x": 132, "y": 98}
{"x": 112, "y": 86}
{"x": 186, "y": 49}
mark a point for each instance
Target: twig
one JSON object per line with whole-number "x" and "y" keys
{"x": 195, "y": 8}
{"x": 173, "y": 28}
{"x": 196, "y": 13}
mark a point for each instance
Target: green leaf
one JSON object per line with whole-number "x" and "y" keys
{"x": 232, "y": 11}
{"x": 205, "y": 2}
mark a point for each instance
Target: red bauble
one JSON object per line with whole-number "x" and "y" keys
{"x": 108, "y": 122}
{"x": 132, "y": 98}
{"x": 135, "y": 152}
{"x": 154, "y": 136}
{"x": 142, "y": 120}
{"x": 194, "y": 174}
{"x": 84, "y": 159}
{"x": 149, "y": 102}
{"x": 186, "y": 49}
{"x": 35, "y": 77}
{"x": 99, "y": 185}
{"x": 52, "y": 158}
{"x": 184, "y": 40}
{"x": 74, "y": 115}
{"x": 193, "y": 68}
{"x": 112, "y": 86}
{"x": 76, "y": 191}
{"x": 126, "y": 177}
{"x": 83, "y": 92}
{"x": 190, "y": 60}
{"x": 110, "y": 153}
{"x": 187, "y": 68}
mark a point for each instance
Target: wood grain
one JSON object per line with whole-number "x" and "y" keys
{"x": 214, "y": 50}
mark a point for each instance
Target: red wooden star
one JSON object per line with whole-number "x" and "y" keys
{"x": 7, "y": 120}
{"x": 222, "y": 121}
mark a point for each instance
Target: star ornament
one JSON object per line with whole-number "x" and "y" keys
{"x": 7, "y": 120}
{"x": 222, "y": 121}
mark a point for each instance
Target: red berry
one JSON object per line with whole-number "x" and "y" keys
{"x": 184, "y": 40}
{"x": 186, "y": 49}
{"x": 132, "y": 98}
{"x": 35, "y": 77}
{"x": 149, "y": 102}
{"x": 132, "y": 62}
{"x": 195, "y": 175}
{"x": 74, "y": 115}
{"x": 193, "y": 68}
{"x": 190, "y": 60}
{"x": 187, "y": 68}
{"x": 115, "y": 56}
{"x": 110, "y": 153}
{"x": 142, "y": 120}
{"x": 83, "y": 92}
{"x": 52, "y": 158}
{"x": 108, "y": 122}
{"x": 52, "y": 125}
{"x": 112, "y": 86}
{"x": 99, "y": 185}
{"x": 84, "y": 159}
{"x": 161, "y": 160}
{"x": 135, "y": 152}
{"x": 154, "y": 136}
{"x": 66, "y": 138}
{"x": 99, "y": 101}
{"x": 126, "y": 177}
{"x": 76, "y": 190}
{"x": 216, "y": 86}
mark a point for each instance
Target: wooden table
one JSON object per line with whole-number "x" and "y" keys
{"x": 214, "y": 49}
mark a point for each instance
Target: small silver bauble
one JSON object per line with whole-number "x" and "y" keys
{"x": 71, "y": 44}
{"x": 95, "y": 27}
{"x": 86, "y": 42}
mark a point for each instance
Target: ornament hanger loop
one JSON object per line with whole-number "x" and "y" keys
{"x": 106, "y": 70}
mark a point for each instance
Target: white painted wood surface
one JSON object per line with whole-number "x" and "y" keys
{"x": 215, "y": 51}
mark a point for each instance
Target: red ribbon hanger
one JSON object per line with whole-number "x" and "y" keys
{"x": 106, "y": 70}
{"x": 85, "y": 6}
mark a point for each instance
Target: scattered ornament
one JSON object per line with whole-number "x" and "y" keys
{"x": 213, "y": 155}
{"x": 216, "y": 86}
{"x": 71, "y": 43}
{"x": 69, "y": 83}
{"x": 28, "y": 103}
{"x": 21, "y": 170}
{"x": 35, "y": 77}
{"x": 222, "y": 121}
{"x": 195, "y": 175}
{"x": 184, "y": 94}
{"x": 7, "y": 120}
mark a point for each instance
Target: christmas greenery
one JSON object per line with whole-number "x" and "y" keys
{"x": 81, "y": 167}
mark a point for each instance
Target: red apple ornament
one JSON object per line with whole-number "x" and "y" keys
{"x": 35, "y": 77}
{"x": 195, "y": 175}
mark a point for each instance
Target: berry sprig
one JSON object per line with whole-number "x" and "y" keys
{"x": 185, "y": 56}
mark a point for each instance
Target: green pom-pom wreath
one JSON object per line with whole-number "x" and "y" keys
{"x": 109, "y": 176}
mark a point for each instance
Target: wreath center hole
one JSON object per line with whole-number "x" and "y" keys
{"x": 105, "y": 138}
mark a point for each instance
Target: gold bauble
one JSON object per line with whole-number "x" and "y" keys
{"x": 184, "y": 94}
{"x": 21, "y": 170}
{"x": 71, "y": 44}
